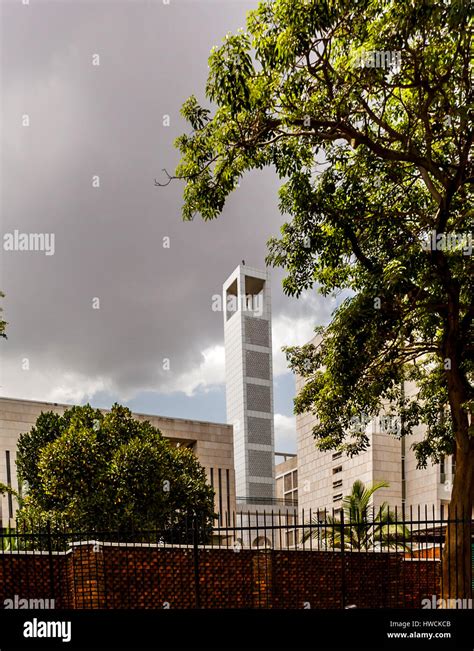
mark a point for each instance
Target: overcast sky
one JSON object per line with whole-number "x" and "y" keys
{"x": 106, "y": 120}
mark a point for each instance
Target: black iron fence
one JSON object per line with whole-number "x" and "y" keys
{"x": 271, "y": 559}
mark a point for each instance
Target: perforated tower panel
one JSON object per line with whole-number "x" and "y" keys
{"x": 249, "y": 380}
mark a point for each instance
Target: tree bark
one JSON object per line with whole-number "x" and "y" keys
{"x": 457, "y": 565}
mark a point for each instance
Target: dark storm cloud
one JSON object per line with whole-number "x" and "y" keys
{"x": 106, "y": 120}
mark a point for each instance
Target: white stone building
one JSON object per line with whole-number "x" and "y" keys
{"x": 249, "y": 383}
{"x": 324, "y": 478}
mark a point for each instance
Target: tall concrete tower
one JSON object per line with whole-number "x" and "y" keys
{"x": 249, "y": 381}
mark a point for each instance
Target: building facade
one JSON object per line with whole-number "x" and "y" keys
{"x": 325, "y": 478}
{"x": 249, "y": 383}
{"x": 212, "y": 444}
{"x": 286, "y": 480}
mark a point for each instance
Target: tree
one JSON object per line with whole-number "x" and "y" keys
{"x": 364, "y": 109}
{"x": 88, "y": 471}
{"x": 362, "y": 528}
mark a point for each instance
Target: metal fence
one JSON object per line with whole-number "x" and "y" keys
{"x": 271, "y": 559}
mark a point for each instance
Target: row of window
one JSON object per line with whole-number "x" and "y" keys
{"x": 290, "y": 487}
{"x": 290, "y": 481}
{"x": 442, "y": 469}
{"x": 337, "y": 483}
{"x": 222, "y": 498}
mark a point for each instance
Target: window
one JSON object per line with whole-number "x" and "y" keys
{"x": 220, "y": 494}
{"x": 337, "y": 484}
{"x": 337, "y": 455}
{"x": 442, "y": 470}
{"x": 227, "y": 481}
{"x": 290, "y": 487}
{"x": 337, "y": 498}
{"x": 231, "y": 301}
{"x": 453, "y": 466}
{"x": 290, "y": 538}
{"x": 9, "y": 482}
{"x": 336, "y": 470}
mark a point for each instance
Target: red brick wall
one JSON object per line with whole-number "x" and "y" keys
{"x": 147, "y": 577}
{"x": 34, "y": 576}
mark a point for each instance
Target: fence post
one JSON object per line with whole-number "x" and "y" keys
{"x": 343, "y": 562}
{"x": 50, "y": 555}
{"x": 196, "y": 561}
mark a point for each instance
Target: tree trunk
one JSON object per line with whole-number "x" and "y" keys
{"x": 457, "y": 565}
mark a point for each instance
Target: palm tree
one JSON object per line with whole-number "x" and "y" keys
{"x": 360, "y": 527}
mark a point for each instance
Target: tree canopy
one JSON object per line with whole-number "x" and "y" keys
{"x": 364, "y": 109}
{"x": 86, "y": 470}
